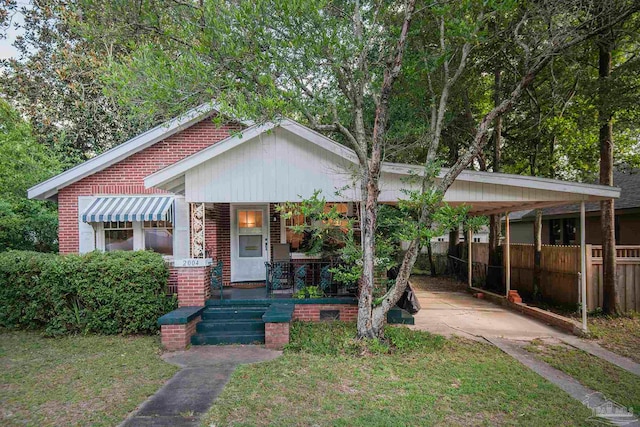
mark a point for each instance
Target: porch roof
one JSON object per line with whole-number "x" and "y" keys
{"x": 286, "y": 161}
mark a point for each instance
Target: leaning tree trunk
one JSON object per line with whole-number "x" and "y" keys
{"x": 607, "y": 211}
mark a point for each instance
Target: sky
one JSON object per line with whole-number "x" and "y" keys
{"x": 6, "y": 48}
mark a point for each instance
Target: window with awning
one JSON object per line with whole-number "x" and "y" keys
{"x": 132, "y": 223}
{"x": 130, "y": 208}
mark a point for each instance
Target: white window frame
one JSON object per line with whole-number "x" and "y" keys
{"x": 138, "y": 236}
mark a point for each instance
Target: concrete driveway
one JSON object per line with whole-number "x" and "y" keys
{"x": 459, "y": 313}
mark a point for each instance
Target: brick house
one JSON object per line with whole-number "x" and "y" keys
{"x": 194, "y": 190}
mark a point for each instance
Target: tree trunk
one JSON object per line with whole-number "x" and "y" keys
{"x": 495, "y": 220}
{"x": 454, "y": 239}
{"x": 537, "y": 255}
{"x": 432, "y": 266}
{"x": 607, "y": 211}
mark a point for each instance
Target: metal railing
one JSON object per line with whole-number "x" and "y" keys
{"x": 289, "y": 277}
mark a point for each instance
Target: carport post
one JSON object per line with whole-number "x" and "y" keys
{"x": 583, "y": 266}
{"x": 470, "y": 257}
{"x": 507, "y": 253}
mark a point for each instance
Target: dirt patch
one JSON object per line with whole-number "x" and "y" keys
{"x": 442, "y": 284}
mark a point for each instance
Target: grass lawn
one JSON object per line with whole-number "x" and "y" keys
{"x": 620, "y": 334}
{"x": 617, "y": 384}
{"x": 78, "y": 380}
{"x": 421, "y": 379}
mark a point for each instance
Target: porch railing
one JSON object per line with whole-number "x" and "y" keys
{"x": 289, "y": 277}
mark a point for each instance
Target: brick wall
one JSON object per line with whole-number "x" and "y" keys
{"x": 178, "y": 337}
{"x": 218, "y": 236}
{"x": 194, "y": 286}
{"x": 127, "y": 176}
{"x": 274, "y": 227}
{"x": 172, "y": 283}
{"x": 311, "y": 312}
{"x": 276, "y": 335}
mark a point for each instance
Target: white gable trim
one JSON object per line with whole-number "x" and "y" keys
{"x": 174, "y": 173}
{"x": 50, "y": 187}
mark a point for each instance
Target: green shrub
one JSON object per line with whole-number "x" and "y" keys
{"x": 106, "y": 293}
{"x": 339, "y": 338}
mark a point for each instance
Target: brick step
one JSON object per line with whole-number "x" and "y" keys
{"x": 215, "y": 338}
{"x": 230, "y": 326}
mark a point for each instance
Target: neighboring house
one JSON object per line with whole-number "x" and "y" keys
{"x": 561, "y": 224}
{"x": 192, "y": 189}
{"x": 480, "y": 236}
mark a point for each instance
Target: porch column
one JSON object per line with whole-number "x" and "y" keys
{"x": 197, "y": 230}
{"x": 470, "y": 257}
{"x": 583, "y": 267}
{"x": 507, "y": 253}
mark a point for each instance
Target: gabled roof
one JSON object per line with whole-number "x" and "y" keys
{"x": 168, "y": 178}
{"x": 50, "y": 187}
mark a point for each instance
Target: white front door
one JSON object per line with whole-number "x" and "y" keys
{"x": 249, "y": 242}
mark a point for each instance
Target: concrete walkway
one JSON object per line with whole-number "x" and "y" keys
{"x": 190, "y": 393}
{"x": 597, "y": 402}
{"x": 458, "y": 313}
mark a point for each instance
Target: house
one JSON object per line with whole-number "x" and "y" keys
{"x": 196, "y": 191}
{"x": 561, "y": 224}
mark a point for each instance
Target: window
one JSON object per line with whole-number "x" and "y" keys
{"x": 300, "y": 241}
{"x": 250, "y": 233}
{"x": 158, "y": 236}
{"x": 555, "y": 232}
{"x": 569, "y": 234}
{"x": 476, "y": 240}
{"x": 118, "y": 236}
{"x": 294, "y": 239}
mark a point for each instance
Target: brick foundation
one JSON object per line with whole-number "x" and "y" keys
{"x": 194, "y": 286}
{"x": 276, "y": 335}
{"x": 311, "y": 312}
{"x": 178, "y": 337}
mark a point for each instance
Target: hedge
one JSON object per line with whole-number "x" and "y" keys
{"x": 107, "y": 293}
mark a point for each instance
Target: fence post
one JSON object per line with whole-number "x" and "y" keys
{"x": 583, "y": 266}
{"x": 470, "y": 257}
{"x": 592, "y": 301}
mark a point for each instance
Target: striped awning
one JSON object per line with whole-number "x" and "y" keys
{"x": 130, "y": 208}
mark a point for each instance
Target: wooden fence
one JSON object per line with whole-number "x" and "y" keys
{"x": 627, "y": 277}
{"x": 560, "y": 266}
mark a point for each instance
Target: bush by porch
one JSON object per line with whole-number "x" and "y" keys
{"x": 107, "y": 293}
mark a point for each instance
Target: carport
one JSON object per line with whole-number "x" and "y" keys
{"x": 493, "y": 193}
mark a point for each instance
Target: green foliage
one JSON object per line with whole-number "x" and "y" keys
{"x": 24, "y": 224}
{"x": 309, "y": 292}
{"x": 339, "y": 338}
{"x": 107, "y": 293}
{"x": 55, "y": 82}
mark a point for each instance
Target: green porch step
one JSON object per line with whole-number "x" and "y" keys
{"x": 227, "y": 326}
{"x": 233, "y": 313}
{"x": 231, "y": 324}
{"x": 216, "y": 338}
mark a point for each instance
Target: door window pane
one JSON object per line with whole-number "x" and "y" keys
{"x": 250, "y": 246}
{"x": 250, "y": 219}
